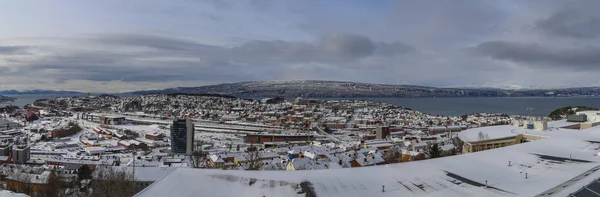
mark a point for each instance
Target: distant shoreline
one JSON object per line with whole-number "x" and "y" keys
{"x": 447, "y": 106}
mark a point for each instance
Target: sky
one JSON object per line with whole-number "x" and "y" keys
{"x": 119, "y": 46}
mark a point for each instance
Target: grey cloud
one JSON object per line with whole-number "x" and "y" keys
{"x": 11, "y": 50}
{"x": 108, "y": 66}
{"x": 157, "y": 42}
{"x": 118, "y": 57}
{"x": 394, "y": 48}
{"x": 348, "y": 45}
{"x": 75, "y": 59}
{"x": 220, "y": 4}
{"x": 272, "y": 51}
{"x": 575, "y": 23}
{"x": 120, "y": 72}
{"x": 261, "y": 5}
{"x": 95, "y": 66}
{"x": 585, "y": 58}
{"x": 212, "y": 16}
{"x": 337, "y": 48}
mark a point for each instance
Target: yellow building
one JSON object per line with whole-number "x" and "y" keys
{"x": 31, "y": 184}
{"x": 485, "y": 138}
{"x": 469, "y": 147}
{"x": 216, "y": 161}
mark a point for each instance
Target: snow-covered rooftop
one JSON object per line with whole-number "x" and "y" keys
{"x": 489, "y": 133}
{"x": 546, "y": 163}
{"x": 561, "y": 123}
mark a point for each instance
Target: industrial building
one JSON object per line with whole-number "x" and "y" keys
{"x": 112, "y": 120}
{"x": 445, "y": 129}
{"x": 261, "y": 138}
{"x": 592, "y": 115}
{"x": 576, "y": 118}
{"x": 579, "y": 121}
{"x": 538, "y": 125}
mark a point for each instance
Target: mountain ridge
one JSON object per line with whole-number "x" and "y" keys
{"x": 342, "y": 89}
{"x": 325, "y": 89}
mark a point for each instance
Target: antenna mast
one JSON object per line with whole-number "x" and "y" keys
{"x": 529, "y": 110}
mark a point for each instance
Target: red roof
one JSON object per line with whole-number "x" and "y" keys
{"x": 30, "y": 113}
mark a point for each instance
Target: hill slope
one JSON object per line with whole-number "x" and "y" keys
{"x": 319, "y": 89}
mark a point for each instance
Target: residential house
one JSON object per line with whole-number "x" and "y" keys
{"x": 216, "y": 161}
{"x": 31, "y": 116}
{"x": 300, "y": 164}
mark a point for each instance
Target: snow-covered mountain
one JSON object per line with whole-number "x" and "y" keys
{"x": 320, "y": 89}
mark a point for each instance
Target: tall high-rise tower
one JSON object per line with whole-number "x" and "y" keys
{"x": 182, "y": 136}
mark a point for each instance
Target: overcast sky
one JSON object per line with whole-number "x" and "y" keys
{"x": 116, "y": 45}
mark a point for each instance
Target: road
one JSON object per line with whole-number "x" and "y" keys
{"x": 320, "y": 131}
{"x": 350, "y": 123}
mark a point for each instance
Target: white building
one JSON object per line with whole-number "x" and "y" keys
{"x": 592, "y": 116}
{"x": 94, "y": 150}
{"x": 538, "y": 125}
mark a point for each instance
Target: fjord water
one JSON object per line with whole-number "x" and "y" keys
{"x": 542, "y": 106}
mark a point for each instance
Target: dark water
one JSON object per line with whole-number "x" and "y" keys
{"x": 542, "y": 106}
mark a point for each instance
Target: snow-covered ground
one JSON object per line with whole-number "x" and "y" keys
{"x": 6, "y": 193}
{"x": 143, "y": 129}
{"x": 220, "y": 140}
{"x": 536, "y": 168}
{"x": 560, "y": 123}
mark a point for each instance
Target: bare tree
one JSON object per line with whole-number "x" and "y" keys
{"x": 109, "y": 182}
{"x": 392, "y": 155}
{"x": 458, "y": 145}
{"x": 253, "y": 161}
{"x": 55, "y": 186}
{"x": 198, "y": 155}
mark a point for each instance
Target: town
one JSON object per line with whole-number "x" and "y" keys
{"x": 149, "y": 136}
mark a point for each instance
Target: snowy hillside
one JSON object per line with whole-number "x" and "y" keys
{"x": 353, "y": 89}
